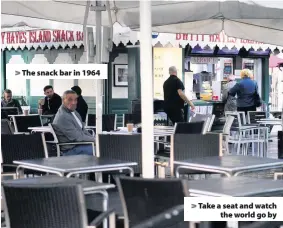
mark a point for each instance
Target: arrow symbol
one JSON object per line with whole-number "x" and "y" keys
{"x": 194, "y": 206}
{"x": 17, "y": 72}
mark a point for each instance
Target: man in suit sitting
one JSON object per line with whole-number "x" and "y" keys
{"x": 69, "y": 127}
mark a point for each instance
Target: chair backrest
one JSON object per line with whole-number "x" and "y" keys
{"x": 22, "y": 123}
{"x": 199, "y": 117}
{"x": 6, "y": 127}
{"x": 51, "y": 137}
{"x": 189, "y": 128}
{"x": 131, "y": 118}
{"x": 239, "y": 118}
{"x": 6, "y": 111}
{"x": 184, "y": 147}
{"x": 42, "y": 205}
{"x": 208, "y": 119}
{"x": 228, "y": 125}
{"x": 218, "y": 109}
{"x": 108, "y": 121}
{"x": 254, "y": 116}
{"x": 143, "y": 198}
{"x": 122, "y": 147}
{"x": 22, "y": 147}
{"x": 211, "y": 123}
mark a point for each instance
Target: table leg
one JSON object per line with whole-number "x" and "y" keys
{"x": 131, "y": 170}
{"x": 201, "y": 169}
{"x": 105, "y": 201}
{"x": 21, "y": 168}
{"x": 112, "y": 221}
{"x": 98, "y": 177}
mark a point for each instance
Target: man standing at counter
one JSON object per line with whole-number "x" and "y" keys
{"x": 174, "y": 97}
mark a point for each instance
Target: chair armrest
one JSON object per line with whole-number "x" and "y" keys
{"x": 161, "y": 142}
{"x": 13, "y": 175}
{"x": 164, "y": 219}
{"x": 76, "y": 143}
{"x": 99, "y": 219}
{"x": 9, "y": 165}
{"x": 90, "y": 127}
{"x": 90, "y": 131}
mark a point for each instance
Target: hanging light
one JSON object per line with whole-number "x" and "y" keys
{"x": 276, "y": 51}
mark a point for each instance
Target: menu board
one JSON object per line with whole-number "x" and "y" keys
{"x": 163, "y": 58}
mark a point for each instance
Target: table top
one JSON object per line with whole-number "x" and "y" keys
{"x": 156, "y": 133}
{"x": 270, "y": 122}
{"x": 24, "y": 115}
{"x": 43, "y": 116}
{"x": 235, "y": 186}
{"x": 67, "y": 164}
{"x": 231, "y": 163}
{"x": 52, "y": 179}
{"x": 270, "y": 119}
{"x": 43, "y": 129}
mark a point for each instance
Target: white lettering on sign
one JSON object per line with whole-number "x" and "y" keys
{"x": 204, "y": 60}
{"x": 219, "y": 38}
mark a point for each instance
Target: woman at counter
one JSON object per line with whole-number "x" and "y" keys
{"x": 246, "y": 91}
{"x": 230, "y": 101}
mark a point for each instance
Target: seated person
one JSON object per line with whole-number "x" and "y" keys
{"x": 82, "y": 106}
{"x": 69, "y": 127}
{"x": 51, "y": 103}
{"x": 8, "y": 101}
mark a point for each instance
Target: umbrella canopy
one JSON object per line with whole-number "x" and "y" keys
{"x": 255, "y": 20}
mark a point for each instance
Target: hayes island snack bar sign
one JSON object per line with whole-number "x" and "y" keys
{"x": 41, "y": 36}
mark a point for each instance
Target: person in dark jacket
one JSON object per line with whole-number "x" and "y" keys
{"x": 8, "y": 101}
{"x": 82, "y": 106}
{"x": 174, "y": 97}
{"x": 245, "y": 91}
{"x": 51, "y": 103}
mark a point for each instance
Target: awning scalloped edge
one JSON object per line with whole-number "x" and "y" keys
{"x": 127, "y": 43}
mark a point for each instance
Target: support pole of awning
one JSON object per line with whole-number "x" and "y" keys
{"x": 85, "y": 24}
{"x": 99, "y": 84}
{"x": 146, "y": 90}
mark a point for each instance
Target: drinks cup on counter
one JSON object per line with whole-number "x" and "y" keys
{"x": 25, "y": 111}
{"x": 130, "y": 127}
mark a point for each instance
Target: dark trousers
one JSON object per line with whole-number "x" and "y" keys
{"x": 246, "y": 109}
{"x": 176, "y": 115}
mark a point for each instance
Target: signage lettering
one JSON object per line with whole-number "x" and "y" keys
{"x": 204, "y": 60}
{"x": 41, "y": 36}
{"x": 220, "y": 38}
